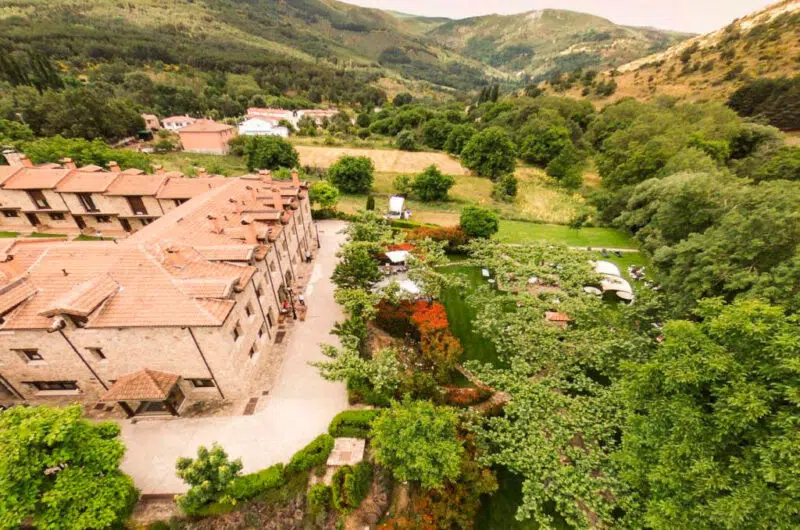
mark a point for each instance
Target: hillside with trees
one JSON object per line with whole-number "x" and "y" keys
{"x": 765, "y": 44}
{"x": 542, "y": 44}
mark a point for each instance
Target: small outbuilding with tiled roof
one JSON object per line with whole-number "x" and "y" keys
{"x": 155, "y": 393}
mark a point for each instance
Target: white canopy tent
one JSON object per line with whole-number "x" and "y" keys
{"x": 397, "y": 256}
{"x": 606, "y": 267}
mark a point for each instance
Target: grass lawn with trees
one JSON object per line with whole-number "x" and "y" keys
{"x": 524, "y": 232}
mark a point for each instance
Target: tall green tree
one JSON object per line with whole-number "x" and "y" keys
{"x": 209, "y": 476}
{"x": 270, "y": 152}
{"x": 418, "y": 441}
{"x": 432, "y": 184}
{"x": 711, "y": 438}
{"x": 324, "y": 194}
{"x": 59, "y": 470}
{"x": 490, "y": 153}
{"x": 352, "y": 174}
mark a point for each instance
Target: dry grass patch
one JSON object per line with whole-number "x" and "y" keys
{"x": 386, "y": 160}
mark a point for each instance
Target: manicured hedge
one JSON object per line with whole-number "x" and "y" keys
{"x": 249, "y": 486}
{"x": 314, "y": 454}
{"x": 352, "y": 423}
{"x": 350, "y": 486}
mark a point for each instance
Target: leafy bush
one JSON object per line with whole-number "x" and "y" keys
{"x": 419, "y": 441}
{"x": 490, "y": 153}
{"x": 402, "y": 184}
{"x": 479, "y": 222}
{"x": 324, "y": 194}
{"x": 352, "y": 423}
{"x": 269, "y": 152}
{"x": 350, "y": 486}
{"x": 352, "y": 174}
{"x": 83, "y": 152}
{"x": 319, "y": 498}
{"x": 432, "y": 184}
{"x": 407, "y": 141}
{"x": 314, "y": 454}
{"x": 248, "y": 486}
{"x": 361, "y": 391}
{"x": 454, "y": 235}
{"x": 209, "y": 476}
{"x": 505, "y": 189}
{"x": 458, "y": 138}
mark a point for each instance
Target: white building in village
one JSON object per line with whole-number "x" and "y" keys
{"x": 261, "y": 127}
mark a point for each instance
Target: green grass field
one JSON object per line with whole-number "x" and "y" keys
{"x": 461, "y": 314}
{"x": 524, "y": 232}
{"x": 9, "y": 234}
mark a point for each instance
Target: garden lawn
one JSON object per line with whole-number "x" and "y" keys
{"x": 461, "y": 314}
{"x": 9, "y": 234}
{"x": 524, "y": 232}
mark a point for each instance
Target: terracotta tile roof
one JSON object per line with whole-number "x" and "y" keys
{"x": 133, "y": 171}
{"x": 34, "y": 178}
{"x": 147, "y": 294}
{"x": 241, "y": 274}
{"x": 83, "y": 299}
{"x": 553, "y": 316}
{"x": 227, "y": 252}
{"x": 218, "y": 309}
{"x": 206, "y": 288}
{"x": 91, "y": 168}
{"x": 7, "y": 171}
{"x": 14, "y": 294}
{"x": 205, "y": 126}
{"x": 86, "y": 182}
{"x": 146, "y": 385}
{"x": 127, "y": 184}
{"x": 186, "y": 188}
{"x": 178, "y": 119}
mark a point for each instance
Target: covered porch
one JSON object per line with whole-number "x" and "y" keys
{"x": 146, "y": 393}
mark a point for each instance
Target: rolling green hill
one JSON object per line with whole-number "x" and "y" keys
{"x": 235, "y": 35}
{"x": 230, "y": 35}
{"x": 764, "y": 44}
{"x": 542, "y": 43}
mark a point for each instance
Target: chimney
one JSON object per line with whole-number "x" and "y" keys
{"x": 251, "y": 234}
{"x": 68, "y": 163}
{"x": 25, "y": 161}
{"x": 277, "y": 201}
{"x": 159, "y": 169}
{"x": 295, "y": 178}
{"x": 113, "y": 166}
{"x": 13, "y": 158}
{"x": 201, "y": 172}
{"x": 216, "y": 226}
{"x": 265, "y": 174}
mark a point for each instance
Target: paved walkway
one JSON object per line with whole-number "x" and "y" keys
{"x": 299, "y": 407}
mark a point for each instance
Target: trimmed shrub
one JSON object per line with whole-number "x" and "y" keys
{"x": 352, "y": 423}
{"x": 319, "y": 498}
{"x": 361, "y": 391}
{"x": 314, "y": 454}
{"x": 253, "y": 484}
{"x": 350, "y": 486}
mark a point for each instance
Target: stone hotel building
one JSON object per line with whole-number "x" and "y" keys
{"x": 185, "y": 308}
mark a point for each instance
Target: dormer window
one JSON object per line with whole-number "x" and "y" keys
{"x": 39, "y": 199}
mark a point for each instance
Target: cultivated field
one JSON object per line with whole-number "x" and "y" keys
{"x": 386, "y": 160}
